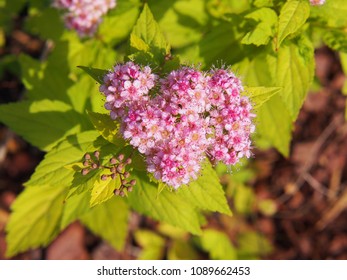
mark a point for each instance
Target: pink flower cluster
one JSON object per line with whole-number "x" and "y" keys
{"x": 84, "y": 16}
{"x": 317, "y": 2}
{"x": 177, "y": 120}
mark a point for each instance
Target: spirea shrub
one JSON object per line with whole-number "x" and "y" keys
{"x": 189, "y": 114}
{"x": 152, "y": 140}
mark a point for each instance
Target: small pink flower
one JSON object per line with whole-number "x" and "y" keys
{"x": 317, "y": 2}
{"x": 194, "y": 114}
{"x": 84, "y": 16}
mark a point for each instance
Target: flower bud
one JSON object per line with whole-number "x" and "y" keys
{"x": 132, "y": 182}
{"x": 104, "y": 177}
{"x": 85, "y": 171}
{"x": 87, "y": 156}
{"x": 116, "y": 192}
{"x": 120, "y": 157}
{"x": 97, "y": 154}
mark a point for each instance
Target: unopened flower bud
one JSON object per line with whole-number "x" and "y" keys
{"x": 113, "y": 169}
{"x": 113, "y": 176}
{"x": 87, "y": 156}
{"x": 85, "y": 163}
{"x": 104, "y": 177}
{"x": 113, "y": 161}
{"x": 130, "y": 189}
{"x": 132, "y": 182}
{"x": 128, "y": 161}
{"x": 126, "y": 175}
{"x": 120, "y": 157}
{"x": 85, "y": 171}
{"x": 120, "y": 168}
{"x": 97, "y": 154}
{"x": 121, "y": 193}
{"x": 94, "y": 166}
{"x": 116, "y": 192}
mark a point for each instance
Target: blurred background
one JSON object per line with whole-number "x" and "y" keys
{"x": 283, "y": 208}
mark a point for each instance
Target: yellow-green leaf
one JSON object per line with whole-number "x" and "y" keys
{"x": 293, "y": 15}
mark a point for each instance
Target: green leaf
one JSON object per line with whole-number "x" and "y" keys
{"x": 218, "y": 245}
{"x": 252, "y": 245}
{"x": 206, "y": 192}
{"x": 110, "y": 221}
{"x": 216, "y": 44}
{"x": 261, "y": 34}
{"x": 153, "y": 245}
{"x": 95, "y": 73}
{"x": 332, "y": 13}
{"x": 336, "y": 39}
{"x": 108, "y": 128}
{"x": 274, "y": 123}
{"x": 293, "y": 15}
{"x": 243, "y": 197}
{"x": 52, "y": 171}
{"x": 167, "y": 207}
{"x": 103, "y": 190}
{"x": 182, "y": 250}
{"x": 147, "y": 32}
{"x": 118, "y": 22}
{"x": 263, "y": 3}
{"x": 75, "y": 207}
{"x": 43, "y": 123}
{"x": 48, "y": 80}
{"x": 295, "y": 71}
{"x": 260, "y": 95}
{"x": 182, "y": 22}
{"x": 35, "y": 218}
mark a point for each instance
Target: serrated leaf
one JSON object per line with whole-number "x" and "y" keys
{"x": 274, "y": 123}
{"x": 181, "y": 21}
{"x": 293, "y": 15}
{"x": 137, "y": 43}
{"x": 75, "y": 207}
{"x": 110, "y": 221}
{"x": 95, "y": 73}
{"x": 122, "y": 19}
{"x": 295, "y": 71}
{"x": 48, "y": 80}
{"x": 147, "y": 30}
{"x": 153, "y": 245}
{"x": 218, "y": 245}
{"x": 206, "y": 192}
{"x": 216, "y": 45}
{"x": 43, "y": 123}
{"x": 336, "y": 39}
{"x": 35, "y": 218}
{"x": 108, "y": 128}
{"x": 103, "y": 190}
{"x": 259, "y": 95}
{"x": 167, "y": 207}
{"x": 266, "y": 19}
{"x": 52, "y": 171}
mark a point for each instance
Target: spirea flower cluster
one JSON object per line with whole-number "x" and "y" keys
{"x": 84, "y": 16}
{"x": 317, "y": 2}
{"x": 176, "y": 121}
